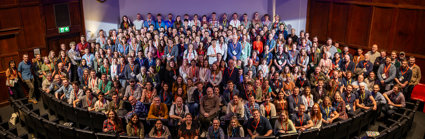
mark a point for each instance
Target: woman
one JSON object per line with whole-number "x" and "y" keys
{"x": 316, "y": 116}
{"x": 12, "y": 81}
{"x": 47, "y": 67}
{"x": 303, "y": 60}
{"x": 267, "y": 21}
{"x": 264, "y": 68}
{"x": 83, "y": 66}
{"x": 329, "y": 114}
{"x": 204, "y": 73}
{"x": 135, "y": 127}
{"x": 188, "y": 129}
{"x": 180, "y": 93}
{"x": 216, "y": 75}
{"x": 339, "y": 105}
{"x": 63, "y": 58}
{"x": 184, "y": 69}
{"x": 159, "y": 131}
{"x": 284, "y": 125}
{"x": 148, "y": 93}
{"x": 179, "y": 83}
{"x": 307, "y": 99}
{"x": 280, "y": 103}
{"x": 325, "y": 63}
{"x": 117, "y": 88}
{"x": 125, "y": 23}
{"x": 235, "y": 129}
{"x": 190, "y": 54}
{"x": 113, "y": 124}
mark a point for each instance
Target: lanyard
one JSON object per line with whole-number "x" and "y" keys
{"x": 255, "y": 127}
{"x": 402, "y": 73}
{"x": 302, "y": 119}
{"x": 230, "y": 72}
{"x": 89, "y": 102}
{"x": 387, "y": 68}
{"x": 281, "y": 124}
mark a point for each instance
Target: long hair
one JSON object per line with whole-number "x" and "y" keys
{"x": 317, "y": 115}
{"x": 230, "y": 128}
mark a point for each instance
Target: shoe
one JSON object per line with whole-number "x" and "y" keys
{"x": 33, "y": 101}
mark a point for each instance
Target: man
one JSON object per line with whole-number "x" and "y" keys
{"x": 250, "y": 106}
{"x": 75, "y": 58}
{"x": 280, "y": 59}
{"x": 294, "y": 100}
{"x": 364, "y": 97}
{"x": 171, "y": 51}
{"x": 178, "y": 111}
{"x": 88, "y": 57}
{"x": 350, "y": 100}
{"x": 214, "y": 21}
{"x": 332, "y": 49}
{"x": 416, "y": 76}
{"x": 395, "y": 100}
{"x": 230, "y": 73}
{"x": 213, "y": 52}
{"x": 158, "y": 110}
{"x": 25, "y": 73}
{"x": 301, "y": 120}
{"x": 86, "y": 102}
{"x": 132, "y": 90}
{"x": 365, "y": 66}
{"x": 131, "y": 69}
{"x": 347, "y": 65}
{"x": 104, "y": 85}
{"x": 47, "y": 82}
{"x": 64, "y": 92}
{"x": 235, "y": 21}
{"x": 82, "y": 45}
{"x": 215, "y": 131}
{"x": 159, "y": 22}
{"x": 55, "y": 85}
{"x": 209, "y": 107}
{"x": 149, "y": 21}
{"x": 386, "y": 74}
{"x": 230, "y": 91}
{"x": 267, "y": 109}
{"x": 138, "y": 23}
{"x": 316, "y": 76}
{"x": 403, "y": 75}
{"x": 76, "y": 92}
{"x": 379, "y": 98}
{"x": 137, "y": 107}
{"x": 259, "y": 125}
{"x": 319, "y": 92}
{"x": 234, "y": 108}
{"x": 374, "y": 53}
{"x": 234, "y": 49}
{"x": 169, "y": 22}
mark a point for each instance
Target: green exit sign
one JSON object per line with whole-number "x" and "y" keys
{"x": 63, "y": 29}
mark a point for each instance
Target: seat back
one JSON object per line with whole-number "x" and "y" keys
{"x": 343, "y": 127}
{"x": 51, "y": 129}
{"x": 309, "y": 134}
{"x": 355, "y": 125}
{"x": 69, "y": 112}
{"x": 83, "y": 117}
{"x": 66, "y": 132}
{"x": 289, "y": 136}
{"x": 328, "y": 131}
{"x": 97, "y": 120}
{"x": 101, "y": 135}
{"x": 85, "y": 134}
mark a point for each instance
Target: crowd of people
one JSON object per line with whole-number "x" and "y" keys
{"x": 190, "y": 76}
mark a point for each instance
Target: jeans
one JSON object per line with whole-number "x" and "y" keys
{"x": 193, "y": 109}
{"x": 30, "y": 84}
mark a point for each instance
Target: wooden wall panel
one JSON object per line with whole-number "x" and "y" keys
{"x": 338, "y": 22}
{"x": 320, "y": 28}
{"x": 406, "y": 30}
{"x": 359, "y": 25}
{"x": 10, "y": 18}
{"x": 34, "y": 28}
{"x": 392, "y": 24}
{"x": 381, "y": 27}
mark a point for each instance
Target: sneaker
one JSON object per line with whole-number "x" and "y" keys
{"x": 32, "y": 101}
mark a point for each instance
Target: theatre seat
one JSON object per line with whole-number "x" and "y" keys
{"x": 83, "y": 117}
{"x": 309, "y": 134}
{"x": 342, "y": 130}
{"x": 392, "y": 132}
{"x": 101, "y": 135}
{"x": 51, "y": 129}
{"x": 97, "y": 120}
{"x": 418, "y": 93}
{"x": 68, "y": 111}
{"x": 289, "y": 136}
{"x": 328, "y": 131}
{"x": 85, "y": 134}
{"x": 66, "y": 132}
{"x": 355, "y": 125}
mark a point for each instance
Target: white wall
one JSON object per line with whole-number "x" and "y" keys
{"x": 293, "y": 12}
{"x": 100, "y": 16}
{"x": 200, "y": 7}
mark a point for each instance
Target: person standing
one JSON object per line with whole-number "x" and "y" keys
{"x": 25, "y": 73}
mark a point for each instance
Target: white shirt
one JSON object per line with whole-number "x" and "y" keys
{"x": 235, "y": 23}
{"x": 138, "y": 24}
{"x": 212, "y": 51}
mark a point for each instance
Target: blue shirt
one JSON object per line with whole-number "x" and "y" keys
{"x": 123, "y": 50}
{"x": 89, "y": 59}
{"x": 326, "y": 112}
{"x": 25, "y": 69}
{"x": 169, "y": 24}
{"x": 147, "y": 23}
{"x": 234, "y": 50}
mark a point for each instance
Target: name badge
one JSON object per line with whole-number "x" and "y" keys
{"x": 234, "y": 52}
{"x": 279, "y": 62}
{"x": 401, "y": 78}
{"x": 132, "y": 74}
{"x": 348, "y": 107}
{"x": 384, "y": 76}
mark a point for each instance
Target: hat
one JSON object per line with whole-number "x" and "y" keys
{"x": 402, "y": 53}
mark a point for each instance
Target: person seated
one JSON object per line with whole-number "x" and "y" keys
{"x": 301, "y": 120}
{"x": 113, "y": 124}
{"x": 104, "y": 85}
{"x": 339, "y": 105}
{"x": 230, "y": 91}
{"x": 135, "y": 127}
{"x": 159, "y": 130}
{"x": 294, "y": 100}
{"x": 379, "y": 98}
{"x": 215, "y": 131}
{"x": 64, "y": 91}
{"x": 188, "y": 129}
{"x": 364, "y": 99}
{"x": 258, "y": 125}
{"x": 101, "y": 105}
{"x": 284, "y": 125}
{"x": 280, "y": 103}
{"x": 307, "y": 99}
{"x": 177, "y": 112}
{"x": 350, "y": 100}
{"x": 117, "y": 105}
{"x": 267, "y": 109}
{"x": 235, "y": 129}
{"x": 76, "y": 93}
{"x": 234, "y": 108}
{"x": 86, "y": 102}
{"x": 209, "y": 107}
{"x": 136, "y": 107}
{"x": 158, "y": 110}
{"x": 316, "y": 116}
{"x": 55, "y": 85}
{"x": 250, "y": 106}
{"x": 395, "y": 99}
{"x": 329, "y": 114}
{"x": 166, "y": 95}
{"x": 132, "y": 90}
